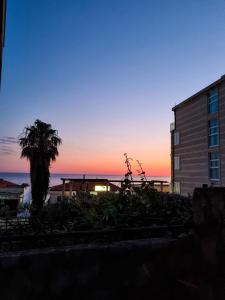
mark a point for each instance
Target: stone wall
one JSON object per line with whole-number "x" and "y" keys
{"x": 139, "y": 269}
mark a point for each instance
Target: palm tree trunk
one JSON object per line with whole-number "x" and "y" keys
{"x": 39, "y": 183}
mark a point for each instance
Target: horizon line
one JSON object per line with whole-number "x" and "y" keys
{"x": 74, "y": 173}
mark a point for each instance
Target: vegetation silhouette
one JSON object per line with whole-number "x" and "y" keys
{"x": 39, "y": 144}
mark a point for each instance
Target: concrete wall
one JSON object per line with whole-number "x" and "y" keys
{"x": 209, "y": 214}
{"x": 140, "y": 269}
{"x": 191, "y": 123}
{"x": 55, "y": 194}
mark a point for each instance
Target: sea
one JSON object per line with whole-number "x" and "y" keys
{"x": 55, "y": 178}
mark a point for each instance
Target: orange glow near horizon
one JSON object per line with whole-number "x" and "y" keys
{"x": 92, "y": 166}
{"x": 104, "y": 163}
{"x": 101, "y": 157}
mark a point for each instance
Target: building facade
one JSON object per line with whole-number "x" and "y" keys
{"x": 198, "y": 140}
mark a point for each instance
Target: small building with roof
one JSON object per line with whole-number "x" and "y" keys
{"x": 11, "y": 194}
{"x": 72, "y": 187}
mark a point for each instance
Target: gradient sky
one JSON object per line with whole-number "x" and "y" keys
{"x": 106, "y": 74}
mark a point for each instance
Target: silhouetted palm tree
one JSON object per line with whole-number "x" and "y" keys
{"x": 39, "y": 144}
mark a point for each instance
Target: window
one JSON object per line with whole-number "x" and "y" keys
{"x": 214, "y": 166}
{"x": 213, "y": 133}
{"x": 213, "y": 101}
{"x": 102, "y": 188}
{"x": 176, "y": 187}
{"x": 176, "y": 162}
{"x": 176, "y": 138}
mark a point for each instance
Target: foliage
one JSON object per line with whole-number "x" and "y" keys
{"x": 144, "y": 207}
{"x": 39, "y": 144}
{"x": 141, "y": 172}
{"x": 105, "y": 218}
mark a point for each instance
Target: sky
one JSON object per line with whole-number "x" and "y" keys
{"x": 105, "y": 74}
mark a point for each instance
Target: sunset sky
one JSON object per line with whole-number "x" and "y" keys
{"x": 105, "y": 74}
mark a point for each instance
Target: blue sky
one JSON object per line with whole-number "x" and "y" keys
{"x": 106, "y": 74}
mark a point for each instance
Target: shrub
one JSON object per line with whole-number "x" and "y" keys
{"x": 143, "y": 207}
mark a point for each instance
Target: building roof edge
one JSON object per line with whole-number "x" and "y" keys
{"x": 221, "y": 79}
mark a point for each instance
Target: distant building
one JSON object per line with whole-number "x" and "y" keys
{"x": 2, "y": 30}
{"x": 11, "y": 194}
{"x": 198, "y": 140}
{"x": 73, "y": 186}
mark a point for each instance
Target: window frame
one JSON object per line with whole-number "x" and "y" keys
{"x": 176, "y": 162}
{"x": 217, "y": 167}
{"x": 213, "y": 98}
{"x": 211, "y": 134}
{"x": 176, "y": 138}
{"x": 176, "y": 187}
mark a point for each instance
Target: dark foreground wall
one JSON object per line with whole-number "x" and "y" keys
{"x": 164, "y": 269}
{"x": 209, "y": 217}
{"x": 140, "y": 269}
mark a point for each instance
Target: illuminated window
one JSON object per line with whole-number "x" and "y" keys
{"x": 94, "y": 193}
{"x": 102, "y": 188}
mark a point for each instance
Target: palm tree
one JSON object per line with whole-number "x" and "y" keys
{"x": 39, "y": 144}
